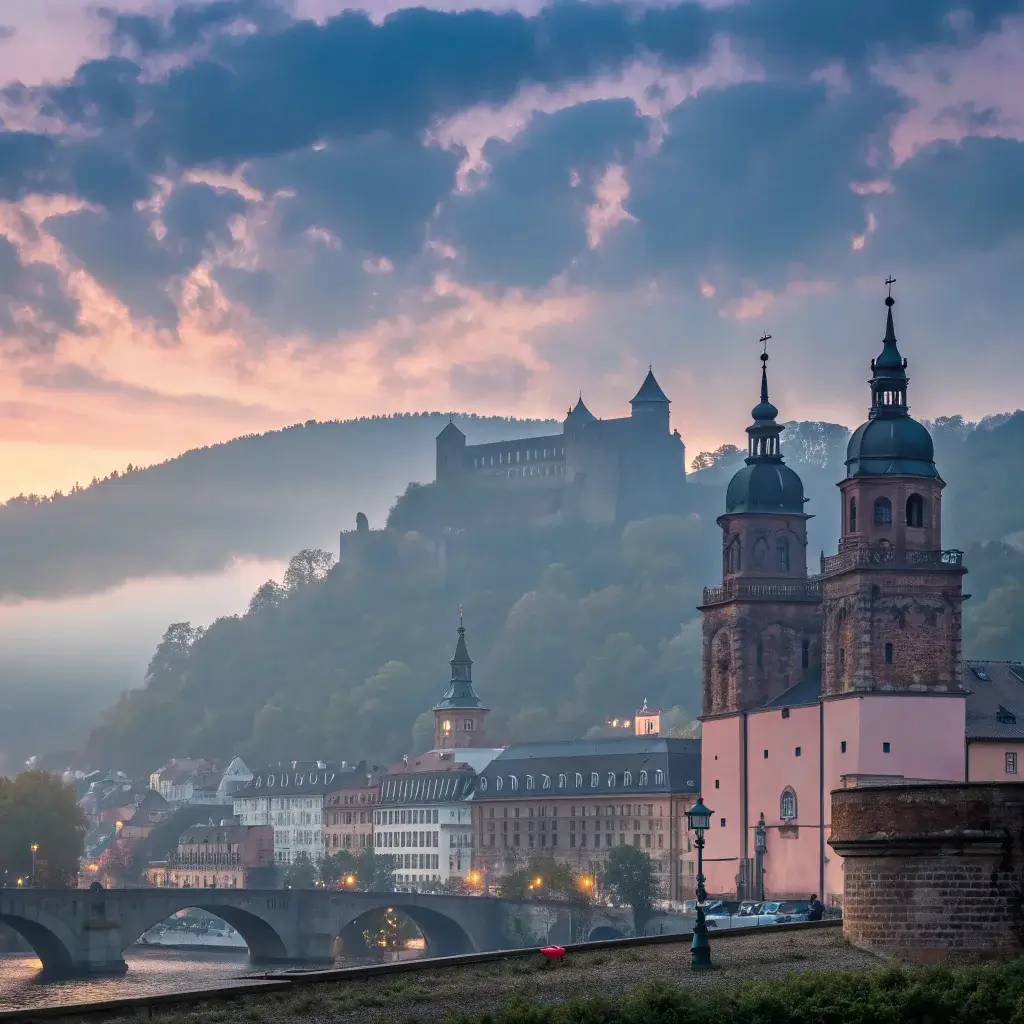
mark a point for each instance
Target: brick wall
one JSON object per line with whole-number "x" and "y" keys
{"x": 932, "y": 872}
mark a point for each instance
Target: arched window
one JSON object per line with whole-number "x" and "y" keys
{"x": 659, "y": 778}
{"x": 643, "y": 777}
{"x": 611, "y": 780}
{"x": 483, "y": 784}
{"x": 579, "y": 780}
{"x": 499, "y": 783}
{"x": 732, "y": 556}
{"x": 529, "y": 782}
{"x": 760, "y": 553}
{"x": 545, "y": 782}
{"x": 853, "y": 515}
{"x": 561, "y": 780}
{"x": 782, "y": 554}
{"x": 787, "y": 805}
{"x": 514, "y": 780}
{"x": 594, "y": 780}
{"x": 915, "y": 510}
{"x": 627, "y": 778}
{"x": 883, "y": 512}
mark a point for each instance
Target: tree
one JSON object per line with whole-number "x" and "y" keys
{"x": 38, "y": 809}
{"x": 706, "y": 460}
{"x": 337, "y": 866}
{"x": 375, "y": 872}
{"x": 543, "y": 878}
{"x": 269, "y": 595}
{"x": 629, "y": 879}
{"x": 310, "y": 565}
{"x": 172, "y": 653}
{"x": 301, "y": 873}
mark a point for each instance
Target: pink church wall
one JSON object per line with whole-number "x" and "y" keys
{"x": 720, "y": 779}
{"x": 793, "y": 848}
{"x": 925, "y": 733}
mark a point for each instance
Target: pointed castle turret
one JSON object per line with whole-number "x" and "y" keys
{"x": 459, "y": 715}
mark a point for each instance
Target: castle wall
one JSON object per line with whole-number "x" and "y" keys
{"x": 933, "y": 873}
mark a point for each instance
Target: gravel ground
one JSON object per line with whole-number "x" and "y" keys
{"x": 432, "y": 996}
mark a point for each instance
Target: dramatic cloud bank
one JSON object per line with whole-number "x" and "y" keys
{"x": 223, "y": 216}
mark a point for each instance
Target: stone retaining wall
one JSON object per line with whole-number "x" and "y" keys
{"x": 932, "y": 872}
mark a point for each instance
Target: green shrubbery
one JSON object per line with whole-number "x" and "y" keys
{"x": 940, "y": 995}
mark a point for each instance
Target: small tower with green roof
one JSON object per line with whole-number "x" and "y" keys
{"x": 459, "y": 715}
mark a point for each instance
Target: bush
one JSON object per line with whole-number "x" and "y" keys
{"x": 937, "y": 995}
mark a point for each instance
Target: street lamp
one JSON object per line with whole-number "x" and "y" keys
{"x": 698, "y": 818}
{"x": 35, "y": 849}
{"x": 760, "y": 849}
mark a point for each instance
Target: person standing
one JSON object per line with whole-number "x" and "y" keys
{"x": 816, "y": 910}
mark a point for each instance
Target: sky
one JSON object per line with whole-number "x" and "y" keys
{"x": 224, "y": 217}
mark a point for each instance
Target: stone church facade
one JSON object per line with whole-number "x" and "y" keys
{"x": 816, "y": 683}
{"x": 595, "y": 471}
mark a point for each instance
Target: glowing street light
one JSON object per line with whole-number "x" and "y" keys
{"x": 698, "y": 818}
{"x": 35, "y": 849}
{"x": 350, "y": 880}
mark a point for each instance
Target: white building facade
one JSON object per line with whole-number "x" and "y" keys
{"x": 424, "y": 817}
{"x": 289, "y": 797}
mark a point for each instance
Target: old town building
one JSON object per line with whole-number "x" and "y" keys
{"x": 221, "y": 856}
{"x": 424, "y": 816}
{"x": 577, "y": 800}
{"x": 348, "y": 810}
{"x": 289, "y": 797}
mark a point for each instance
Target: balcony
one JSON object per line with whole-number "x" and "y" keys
{"x": 868, "y": 557}
{"x": 731, "y": 590}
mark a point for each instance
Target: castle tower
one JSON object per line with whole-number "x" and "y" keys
{"x": 891, "y": 598}
{"x": 459, "y": 715}
{"x": 650, "y": 405}
{"x": 450, "y": 447}
{"x": 762, "y": 626}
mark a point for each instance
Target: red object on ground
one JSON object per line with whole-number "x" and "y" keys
{"x": 553, "y": 952}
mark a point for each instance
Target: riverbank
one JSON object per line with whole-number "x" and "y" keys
{"x": 434, "y": 994}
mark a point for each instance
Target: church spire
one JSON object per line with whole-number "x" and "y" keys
{"x": 460, "y": 692}
{"x": 764, "y": 444}
{"x": 889, "y": 371}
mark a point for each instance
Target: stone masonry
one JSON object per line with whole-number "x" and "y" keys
{"x": 933, "y": 872}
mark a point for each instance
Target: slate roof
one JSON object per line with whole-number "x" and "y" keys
{"x": 995, "y": 700}
{"x": 553, "y": 768}
{"x": 807, "y": 691}
{"x": 650, "y": 390}
{"x": 295, "y": 778}
{"x": 432, "y": 778}
{"x": 215, "y": 834}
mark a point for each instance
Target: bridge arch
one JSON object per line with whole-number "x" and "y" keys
{"x": 49, "y": 937}
{"x": 442, "y": 935}
{"x": 262, "y": 938}
{"x": 603, "y": 932}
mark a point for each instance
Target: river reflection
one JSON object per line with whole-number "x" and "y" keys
{"x": 150, "y": 972}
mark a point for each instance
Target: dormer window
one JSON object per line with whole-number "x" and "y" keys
{"x": 529, "y": 782}
{"x": 611, "y": 780}
{"x": 579, "y": 780}
{"x": 1005, "y": 717}
{"x": 643, "y": 777}
{"x": 595, "y": 780}
{"x": 659, "y": 778}
{"x": 981, "y": 673}
{"x": 561, "y": 780}
{"x": 483, "y": 784}
{"x": 545, "y": 782}
{"x": 514, "y": 781}
{"x": 627, "y": 778}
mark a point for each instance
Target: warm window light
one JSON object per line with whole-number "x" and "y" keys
{"x": 446, "y": 726}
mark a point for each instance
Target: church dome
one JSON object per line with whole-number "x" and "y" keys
{"x": 891, "y": 442}
{"x": 765, "y": 487}
{"x": 765, "y": 483}
{"x": 891, "y": 447}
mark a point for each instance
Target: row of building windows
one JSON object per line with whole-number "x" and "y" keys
{"x": 734, "y": 555}
{"x": 346, "y": 841}
{"x": 563, "y": 778}
{"x": 514, "y": 458}
{"x": 297, "y": 818}
{"x": 347, "y": 817}
{"x": 420, "y": 861}
{"x": 550, "y": 470}
{"x": 392, "y": 840}
{"x": 882, "y": 512}
{"x": 412, "y": 816}
{"x": 597, "y": 811}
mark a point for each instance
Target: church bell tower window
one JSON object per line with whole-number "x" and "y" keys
{"x": 883, "y": 512}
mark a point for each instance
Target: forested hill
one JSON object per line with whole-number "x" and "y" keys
{"x": 262, "y": 495}
{"x": 567, "y": 626}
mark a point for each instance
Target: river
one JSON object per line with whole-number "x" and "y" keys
{"x": 150, "y": 972}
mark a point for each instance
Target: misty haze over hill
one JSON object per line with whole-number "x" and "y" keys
{"x": 91, "y": 581}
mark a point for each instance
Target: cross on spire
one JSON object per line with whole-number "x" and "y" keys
{"x": 460, "y": 617}
{"x": 763, "y": 341}
{"x": 889, "y": 282}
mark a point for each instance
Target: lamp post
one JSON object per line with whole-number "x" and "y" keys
{"x": 698, "y": 818}
{"x": 35, "y": 849}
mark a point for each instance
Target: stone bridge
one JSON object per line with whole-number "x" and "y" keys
{"x": 76, "y": 931}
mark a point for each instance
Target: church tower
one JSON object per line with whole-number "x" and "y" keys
{"x": 891, "y": 597}
{"x": 762, "y": 626}
{"x": 459, "y": 715}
